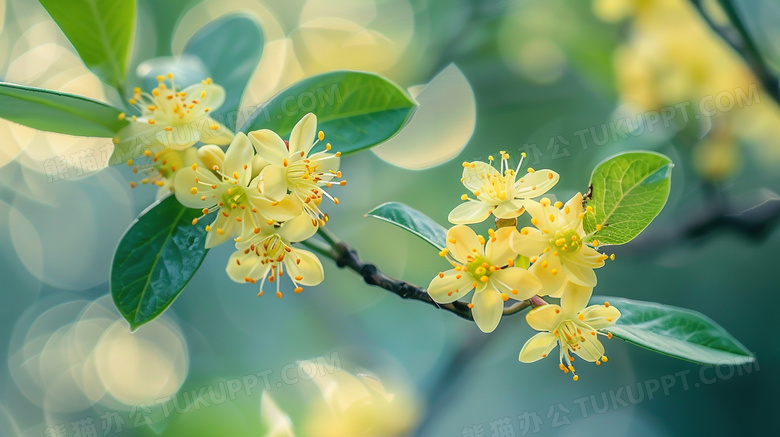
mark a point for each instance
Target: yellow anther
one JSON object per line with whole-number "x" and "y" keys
{"x": 464, "y": 197}
{"x": 598, "y": 227}
{"x": 194, "y": 190}
{"x": 554, "y": 271}
{"x": 558, "y": 204}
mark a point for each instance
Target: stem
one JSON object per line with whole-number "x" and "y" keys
{"x": 318, "y": 247}
{"x": 328, "y": 236}
{"x": 739, "y": 39}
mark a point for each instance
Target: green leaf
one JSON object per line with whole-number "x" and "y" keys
{"x": 229, "y": 68}
{"x": 629, "y": 190}
{"x": 355, "y": 110}
{"x": 406, "y": 217}
{"x": 54, "y": 111}
{"x": 157, "y": 257}
{"x": 677, "y": 332}
{"x": 101, "y": 31}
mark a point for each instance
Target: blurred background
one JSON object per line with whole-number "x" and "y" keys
{"x": 568, "y": 82}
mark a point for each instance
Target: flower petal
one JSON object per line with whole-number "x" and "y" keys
{"x": 449, "y": 288}
{"x": 508, "y": 209}
{"x": 498, "y": 252}
{"x": 535, "y": 184}
{"x": 529, "y": 242}
{"x": 185, "y": 181}
{"x": 297, "y": 229}
{"x": 545, "y": 317}
{"x": 241, "y": 266}
{"x": 217, "y": 133}
{"x": 302, "y": 135}
{"x": 269, "y": 146}
{"x": 228, "y": 227}
{"x": 287, "y": 208}
{"x": 306, "y": 265}
{"x": 179, "y": 137}
{"x": 591, "y": 348}
{"x": 600, "y": 316}
{"x": 488, "y": 308}
{"x": 549, "y": 271}
{"x": 133, "y": 140}
{"x": 587, "y": 256}
{"x": 475, "y": 175}
{"x": 538, "y": 347}
{"x": 238, "y": 155}
{"x": 471, "y": 211}
{"x": 272, "y": 182}
{"x": 574, "y": 206}
{"x": 516, "y": 283}
{"x": 575, "y": 298}
{"x": 579, "y": 274}
{"x": 213, "y": 98}
{"x": 461, "y": 241}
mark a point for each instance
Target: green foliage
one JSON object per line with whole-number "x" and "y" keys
{"x": 412, "y": 220}
{"x": 230, "y": 48}
{"x": 629, "y": 190}
{"x": 157, "y": 257}
{"x": 101, "y": 31}
{"x": 356, "y": 110}
{"x": 677, "y": 332}
{"x": 54, "y": 111}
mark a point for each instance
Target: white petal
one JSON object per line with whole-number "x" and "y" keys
{"x": 326, "y": 162}
{"x": 538, "y": 347}
{"x": 488, "y": 308}
{"x": 461, "y": 240}
{"x": 287, "y": 208}
{"x": 302, "y": 135}
{"x": 535, "y": 184}
{"x": 500, "y": 251}
{"x": 549, "y": 271}
{"x": 212, "y": 155}
{"x": 269, "y": 146}
{"x": 545, "y": 317}
{"x": 508, "y": 209}
{"x": 471, "y": 211}
{"x": 179, "y": 137}
{"x": 516, "y": 283}
{"x": 449, "y": 288}
{"x": 133, "y": 140}
{"x": 273, "y": 182}
{"x": 575, "y": 298}
{"x": 238, "y": 155}
{"x": 305, "y": 265}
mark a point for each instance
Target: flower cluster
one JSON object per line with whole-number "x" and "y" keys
{"x": 263, "y": 192}
{"x": 554, "y": 257}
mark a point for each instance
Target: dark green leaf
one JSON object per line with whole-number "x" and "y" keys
{"x": 406, "y": 217}
{"x": 101, "y": 31}
{"x": 54, "y": 111}
{"x": 230, "y": 48}
{"x": 677, "y": 332}
{"x": 355, "y": 110}
{"x": 629, "y": 190}
{"x": 157, "y": 257}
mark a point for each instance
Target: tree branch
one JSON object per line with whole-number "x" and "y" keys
{"x": 738, "y": 38}
{"x": 347, "y": 257}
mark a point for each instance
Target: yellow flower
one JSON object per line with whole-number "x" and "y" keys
{"x": 292, "y": 169}
{"x": 172, "y": 119}
{"x": 572, "y": 326}
{"x": 269, "y": 255}
{"x": 556, "y": 246}
{"x": 498, "y": 191}
{"x": 487, "y": 267}
{"x": 224, "y": 184}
